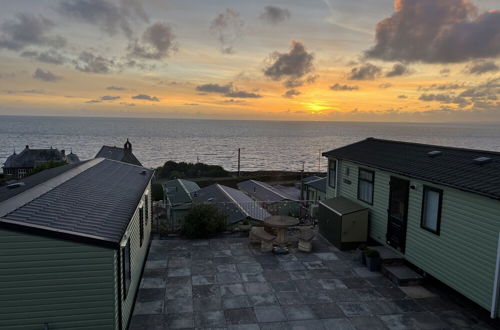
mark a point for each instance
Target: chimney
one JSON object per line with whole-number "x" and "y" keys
{"x": 27, "y": 146}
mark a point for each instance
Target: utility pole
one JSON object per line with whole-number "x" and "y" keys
{"x": 239, "y": 154}
{"x": 319, "y": 161}
{"x": 302, "y": 182}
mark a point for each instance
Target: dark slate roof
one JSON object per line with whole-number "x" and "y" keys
{"x": 235, "y": 204}
{"x": 31, "y": 158}
{"x": 454, "y": 167}
{"x": 262, "y": 191}
{"x": 119, "y": 154}
{"x": 96, "y": 203}
{"x": 318, "y": 184}
{"x": 33, "y": 180}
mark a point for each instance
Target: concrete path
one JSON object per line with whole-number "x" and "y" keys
{"x": 227, "y": 284}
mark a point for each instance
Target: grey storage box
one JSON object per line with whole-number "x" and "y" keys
{"x": 343, "y": 222}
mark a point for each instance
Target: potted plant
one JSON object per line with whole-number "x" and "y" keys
{"x": 362, "y": 256}
{"x": 373, "y": 260}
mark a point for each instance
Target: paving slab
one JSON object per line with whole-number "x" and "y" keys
{"x": 227, "y": 284}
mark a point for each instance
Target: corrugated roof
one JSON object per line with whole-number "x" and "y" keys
{"x": 454, "y": 167}
{"x": 262, "y": 191}
{"x": 97, "y": 202}
{"x": 319, "y": 184}
{"x": 235, "y": 204}
{"x": 119, "y": 154}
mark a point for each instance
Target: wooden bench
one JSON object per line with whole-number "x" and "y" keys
{"x": 306, "y": 236}
{"x": 260, "y": 235}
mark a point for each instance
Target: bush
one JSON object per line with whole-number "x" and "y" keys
{"x": 370, "y": 253}
{"x": 173, "y": 170}
{"x": 203, "y": 221}
{"x": 156, "y": 192}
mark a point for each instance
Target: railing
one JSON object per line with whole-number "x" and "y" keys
{"x": 304, "y": 210}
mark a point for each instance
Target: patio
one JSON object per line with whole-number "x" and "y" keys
{"x": 225, "y": 283}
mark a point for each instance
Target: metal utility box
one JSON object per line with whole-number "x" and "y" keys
{"x": 343, "y": 222}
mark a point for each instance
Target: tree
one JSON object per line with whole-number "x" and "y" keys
{"x": 203, "y": 220}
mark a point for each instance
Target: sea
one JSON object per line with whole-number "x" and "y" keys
{"x": 264, "y": 145}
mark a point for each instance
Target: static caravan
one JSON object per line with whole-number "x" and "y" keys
{"x": 276, "y": 199}
{"x": 438, "y": 207}
{"x": 178, "y": 199}
{"x": 73, "y": 242}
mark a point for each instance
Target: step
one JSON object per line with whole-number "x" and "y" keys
{"x": 401, "y": 275}
{"x": 388, "y": 255}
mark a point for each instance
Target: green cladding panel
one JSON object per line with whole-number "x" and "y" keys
{"x": 462, "y": 255}
{"x": 63, "y": 284}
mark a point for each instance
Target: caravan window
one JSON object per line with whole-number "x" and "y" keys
{"x": 365, "y": 185}
{"x": 431, "y": 209}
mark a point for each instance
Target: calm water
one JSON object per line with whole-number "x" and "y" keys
{"x": 264, "y": 145}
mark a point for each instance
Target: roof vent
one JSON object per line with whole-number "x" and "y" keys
{"x": 434, "y": 153}
{"x": 15, "y": 185}
{"x": 143, "y": 172}
{"x": 481, "y": 160}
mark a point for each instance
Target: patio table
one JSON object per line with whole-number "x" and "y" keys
{"x": 281, "y": 223}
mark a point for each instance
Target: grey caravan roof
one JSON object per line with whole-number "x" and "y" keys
{"x": 235, "y": 204}
{"x": 94, "y": 200}
{"x": 180, "y": 191}
{"x": 262, "y": 191}
{"x": 476, "y": 171}
{"x": 318, "y": 184}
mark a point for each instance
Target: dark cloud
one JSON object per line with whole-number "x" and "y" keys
{"x": 227, "y": 28}
{"x": 215, "y": 88}
{"x": 116, "y": 88}
{"x": 398, "y": 70}
{"x": 26, "y": 91}
{"x": 227, "y": 90}
{"x": 109, "y": 98}
{"x": 292, "y": 83}
{"x": 45, "y": 75}
{"x": 481, "y": 67}
{"x": 146, "y": 97}
{"x": 275, "y": 15}
{"x": 107, "y": 15}
{"x": 312, "y": 79}
{"x": 104, "y": 98}
{"x": 27, "y": 30}
{"x": 90, "y": 63}
{"x": 437, "y": 31}
{"x": 441, "y": 87}
{"x": 49, "y": 56}
{"x": 339, "y": 87}
{"x": 291, "y": 93}
{"x": 385, "y": 85}
{"x": 366, "y": 71}
{"x": 156, "y": 43}
{"x": 444, "y": 98}
{"x": 292, "y": 65}
{"x": 243, "y": 95}
{"x": 402, "y": 97}
{"x": 445, "y": 72}
{"x": 483, "y": 92}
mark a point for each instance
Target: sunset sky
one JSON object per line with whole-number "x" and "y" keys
{"x": 363, "y": 60}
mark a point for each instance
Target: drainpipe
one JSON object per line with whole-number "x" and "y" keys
{"x": 496, "y": 284}
{"x": 336, "y": 177}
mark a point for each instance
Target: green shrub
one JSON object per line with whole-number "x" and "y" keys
{"x": 203, "y": 221}
{"x": 173, "y": 170}
{"x": 156, "y": 192}
{"x": 370, "y": 253}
